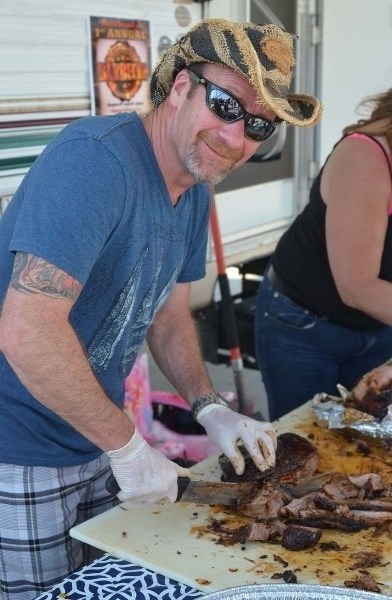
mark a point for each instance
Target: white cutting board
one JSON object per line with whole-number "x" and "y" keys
{"x": 166, "y": 538}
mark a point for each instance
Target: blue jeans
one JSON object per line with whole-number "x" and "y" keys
{"x": 301, "y": 354}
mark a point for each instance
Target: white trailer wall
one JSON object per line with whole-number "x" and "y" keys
{"x": 356, "y": 61}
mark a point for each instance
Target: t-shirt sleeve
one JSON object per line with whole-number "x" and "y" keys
{"x": 73, "y": 198}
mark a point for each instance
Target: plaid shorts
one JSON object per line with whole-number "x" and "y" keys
{"x": 38, "y": 507}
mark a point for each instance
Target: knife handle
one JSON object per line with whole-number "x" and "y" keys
{"x": 113, "y": 487}
{"x": 182, "y": 483}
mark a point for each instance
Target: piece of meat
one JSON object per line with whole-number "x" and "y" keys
{"x": 384, "y": 528}
{"x": 265, "y": 531}
{"x": 297, "y": 505}
{"x": 330, "y": 546}
{"x": 281, "y": 511}
{"x": 380, "y": 508}
{"x": 375, "y": 402}
{"x": 296, "y": 459}
{"x": 367, "y": 504}
{"x": 366, "y": 560}
{"x": 298, "y": 537}
{"x": 289, "y": 576}
{"x": 365, "y": 583}
{"x": 264, "y": 502}
{"x": 342, "y": 487}
{"x": 291, "y": 537}
{"x": 368, "y": 483}
{"x": 323, "y": 519}
{"x": 256, "y": 531}
{"x": 372, "y": 517}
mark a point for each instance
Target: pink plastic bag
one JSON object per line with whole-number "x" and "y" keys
{"x": 193, "y": 448}
{"x": 138, "y": 396}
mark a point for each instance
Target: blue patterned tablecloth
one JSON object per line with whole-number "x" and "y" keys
{"x": 111, "y": 578}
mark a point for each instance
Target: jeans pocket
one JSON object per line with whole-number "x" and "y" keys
{"x": 286, "y": 313}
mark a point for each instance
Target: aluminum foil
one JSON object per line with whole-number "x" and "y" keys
{"x": 333, "y": 412}
{"x": 282, "y": 591}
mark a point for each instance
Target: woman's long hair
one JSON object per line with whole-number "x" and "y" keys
{"x": 382, "y": 109}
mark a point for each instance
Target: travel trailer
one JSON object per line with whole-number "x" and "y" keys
{"x": 344, "y": 52}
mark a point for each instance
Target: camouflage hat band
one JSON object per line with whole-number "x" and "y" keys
{"x": 262, "y": 53}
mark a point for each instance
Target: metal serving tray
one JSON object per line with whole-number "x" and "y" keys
{"x": 282, "y": 591}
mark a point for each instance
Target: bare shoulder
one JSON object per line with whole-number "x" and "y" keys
{"x": 34, "y": 275}
{"x": 356, "y": 165}
{"x": 362, "y": 145}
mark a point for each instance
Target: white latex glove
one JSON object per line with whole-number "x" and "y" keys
{"x": 226, "y": 428}
{"x": 143, "y": 473}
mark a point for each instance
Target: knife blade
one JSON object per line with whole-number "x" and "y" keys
{"x": 212, "y": 492}
{"x": 311, "y": 484}
{"x": 224, "y": 493}
{"x": 200, "y": 492}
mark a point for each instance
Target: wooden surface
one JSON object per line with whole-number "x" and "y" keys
{"x": 168, "y": 538}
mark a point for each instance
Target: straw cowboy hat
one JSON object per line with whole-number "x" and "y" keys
{"x": 263, "y": 54}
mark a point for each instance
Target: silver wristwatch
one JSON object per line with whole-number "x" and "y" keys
{"x": 202, "y": 401}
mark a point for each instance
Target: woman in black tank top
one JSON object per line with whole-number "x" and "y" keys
{"x": 324, "y": 312}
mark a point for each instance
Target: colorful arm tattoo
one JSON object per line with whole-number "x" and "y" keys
{"x": 34, "y": 275}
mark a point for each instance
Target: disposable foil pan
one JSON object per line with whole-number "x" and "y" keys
{"x": 332, "y": 411}
{"x": 281, "y": 591}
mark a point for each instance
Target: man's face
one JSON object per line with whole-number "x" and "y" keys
{"x": 208, "y": 147}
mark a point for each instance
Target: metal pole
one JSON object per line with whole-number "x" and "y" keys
{"x": 229, "y": 319}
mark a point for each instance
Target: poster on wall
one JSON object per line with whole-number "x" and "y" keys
{"x": 120, "y": 65}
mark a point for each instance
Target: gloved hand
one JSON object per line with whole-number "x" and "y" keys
{"x": 144, "y": 474}
{"x": 225, "y": 428}
{"x": 374, "y": 381}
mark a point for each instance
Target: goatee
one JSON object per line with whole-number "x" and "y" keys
{"x": 206, "y": 172}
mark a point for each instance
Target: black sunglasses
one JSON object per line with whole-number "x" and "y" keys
{"x": 229, "y": 109}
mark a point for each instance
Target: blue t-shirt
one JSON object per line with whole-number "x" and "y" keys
{"x": 95, "y": 204}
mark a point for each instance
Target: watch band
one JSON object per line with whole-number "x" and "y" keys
{"x": 202, "y": 401}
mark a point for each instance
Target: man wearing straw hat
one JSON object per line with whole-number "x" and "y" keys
{"x": 97, "y": 250}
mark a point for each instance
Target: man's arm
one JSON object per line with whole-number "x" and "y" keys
{"x": 44, "y": 351}
{"x": 174, "y": 344}
{"x": 46, "y": 355}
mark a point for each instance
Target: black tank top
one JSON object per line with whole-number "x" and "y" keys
{"x": 301, "y": 263}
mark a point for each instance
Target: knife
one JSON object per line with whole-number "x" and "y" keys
{"x": 200, "y": 492}
{"x": 224, "y": 493}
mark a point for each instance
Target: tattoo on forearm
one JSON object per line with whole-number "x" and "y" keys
{"x": 34, "y": 275}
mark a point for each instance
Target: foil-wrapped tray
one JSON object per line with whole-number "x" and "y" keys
{"x": 334, "y": 413}
{"x": 281, "y": 591}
